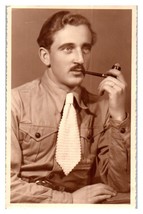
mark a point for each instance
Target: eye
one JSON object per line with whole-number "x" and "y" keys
{"x": 67, "y": 49}
{"x": 86, "y": 49}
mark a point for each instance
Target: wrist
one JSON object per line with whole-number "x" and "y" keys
{"x": 120, "y": 117}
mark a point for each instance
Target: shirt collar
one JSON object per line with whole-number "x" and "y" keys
{"x": 59, "y": 94}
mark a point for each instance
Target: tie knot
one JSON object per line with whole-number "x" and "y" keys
{"x": 69, "y": 98}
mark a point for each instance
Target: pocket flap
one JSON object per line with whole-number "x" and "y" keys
{"x": 37, "y": 132}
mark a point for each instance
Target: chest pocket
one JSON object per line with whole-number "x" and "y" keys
{"x": 37, "y": 142}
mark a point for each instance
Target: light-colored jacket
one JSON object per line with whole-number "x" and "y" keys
{"x": 105, "y": 144}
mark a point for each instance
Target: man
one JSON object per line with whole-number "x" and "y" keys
{"x": 65, "y": 43}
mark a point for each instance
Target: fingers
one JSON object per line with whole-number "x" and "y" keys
{"x": 107, "y": 187}
{"x": 93, "y": 193}
{"x": 117, "y": 73}
{"x": 101, "y": 189}
{"x": 100, "y": 192}
{"x": 111, "y": 85}
{"x": 100, "y": 198}
{"x": 114, "y": 80}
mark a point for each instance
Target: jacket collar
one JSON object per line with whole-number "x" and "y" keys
{"x": 59, "y": 94}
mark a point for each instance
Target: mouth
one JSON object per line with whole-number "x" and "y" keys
{"x": 78, "y": 70}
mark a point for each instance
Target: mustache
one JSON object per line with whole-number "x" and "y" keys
{"x": 78, "y": 67}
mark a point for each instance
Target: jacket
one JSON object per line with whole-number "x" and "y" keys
{"x": 105, "y": 144}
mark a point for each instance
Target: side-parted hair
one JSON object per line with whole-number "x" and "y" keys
{"x": 57, "y": 22}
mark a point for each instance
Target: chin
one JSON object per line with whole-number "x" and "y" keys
{"x": 75, "y": 83}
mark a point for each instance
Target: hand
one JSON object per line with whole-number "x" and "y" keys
{"x": 116, "y": 89}
{"x": 93, "y": 194}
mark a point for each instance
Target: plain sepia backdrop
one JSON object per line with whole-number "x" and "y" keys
{"x": 113, "y": 45}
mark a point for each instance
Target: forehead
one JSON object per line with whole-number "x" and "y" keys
{"x": 72, "y": 34}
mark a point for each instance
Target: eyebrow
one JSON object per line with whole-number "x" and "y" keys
{"x": 65, "y": 45}
{"x": 72, "y": 44}
{"x": 87, "y": 45}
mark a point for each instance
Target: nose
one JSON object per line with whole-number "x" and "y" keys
{"x": 79, "y": 57}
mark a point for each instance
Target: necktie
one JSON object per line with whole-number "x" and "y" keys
{"x": 68, "y": 149}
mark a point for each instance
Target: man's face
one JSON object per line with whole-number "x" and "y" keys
{"x": 69, "y": 54}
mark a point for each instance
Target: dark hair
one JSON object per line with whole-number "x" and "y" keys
{"x": 56, "y": 23}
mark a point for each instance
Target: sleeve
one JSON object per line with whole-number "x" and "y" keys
{"x": 22, "y": 191}
{"x": 114, "y": 153}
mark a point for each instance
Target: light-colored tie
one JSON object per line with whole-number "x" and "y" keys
{"x": 68, "y": 149}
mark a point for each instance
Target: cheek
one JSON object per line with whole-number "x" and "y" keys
{"x": 60, "y": 66}
{"x": 59, "y": 60}
{"x": 87, "y": 60}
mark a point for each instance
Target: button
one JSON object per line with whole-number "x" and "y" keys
{"x": 37, "y": 135}
{"x": 89, "y": 135}
{"x": 123, "y": 130}
{"x": 38, "y": 182}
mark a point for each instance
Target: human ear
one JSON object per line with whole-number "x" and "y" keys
{"x": 44, "y": 56}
